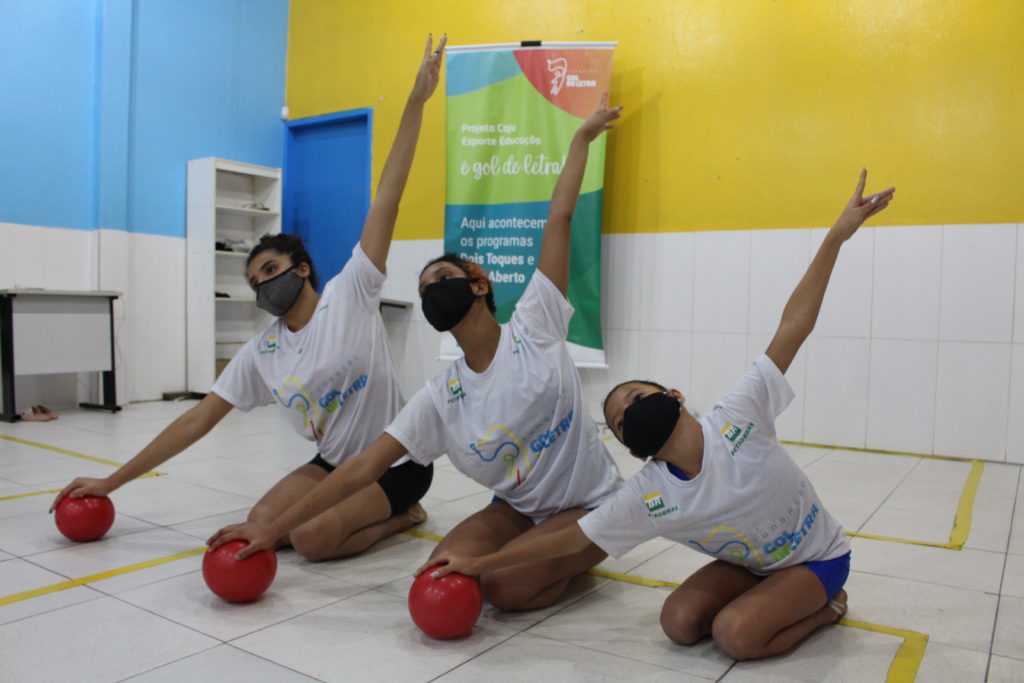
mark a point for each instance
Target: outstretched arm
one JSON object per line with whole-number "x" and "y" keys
{"x": 380, "y": 221}
{"x": 176, "y": 437}
{"x": 354, "y": 475}
{"x": 562, "y": 543}
{"x": 801, "y": 312}
{"x": 554, "y": 250}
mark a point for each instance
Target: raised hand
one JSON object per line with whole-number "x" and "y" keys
{"x": 430, "y": 70}
{"x": 600, "y": 120}
{"x": 861, "y": 208}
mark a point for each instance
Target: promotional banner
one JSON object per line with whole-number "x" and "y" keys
{"x": 512, "y": 111}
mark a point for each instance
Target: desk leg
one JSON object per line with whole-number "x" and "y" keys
{"x": 9, "y": 413}
{"x": 109, "y": 383}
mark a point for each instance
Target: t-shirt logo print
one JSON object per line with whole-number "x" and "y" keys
{"x": 654, "y": 502}
{"x": 731, "y": 431}
{"x": 455, "y": 392}
{"x": 269, "y": 346}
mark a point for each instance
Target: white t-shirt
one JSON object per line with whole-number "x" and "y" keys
{"x": 518, "y": 428}
{"x": 334, "y": 377}
{"x": 750, "y": 504}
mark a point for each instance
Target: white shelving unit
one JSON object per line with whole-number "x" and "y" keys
{"x": 228, "y": 202}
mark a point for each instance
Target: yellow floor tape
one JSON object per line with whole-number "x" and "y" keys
{"x": 961, "y": 523}
{"x": 903, "y": 669}
{"x": 93, "y": 578}
{"x": 64, "y": 451}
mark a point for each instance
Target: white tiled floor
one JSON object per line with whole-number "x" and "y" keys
{"x": 347, "y": 620}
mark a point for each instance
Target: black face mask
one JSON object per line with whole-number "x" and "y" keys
{"x": 446, "y": 302}
{"x": 278, "y": 294}
{"x": 647, "y": 424}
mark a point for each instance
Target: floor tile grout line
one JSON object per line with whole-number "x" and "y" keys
{"x": 1002, "y": 578}
{"x": 860, "y": 529}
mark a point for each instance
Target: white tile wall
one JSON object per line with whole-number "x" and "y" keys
{"x": 688, "y": 309}
{"x": 1015, "y": 431}
{"x": 721, "y": 291}
{"x": 846, "y": 311}
{"x": 972, "y": 399}
{"x": 978, "y": 269}
{"x": 907, "y": 277}
{"x": 778, "y": 259}
{"x": 718, "y": 362}
{"x": 835, "y": 408}
{"x": 901, "y": 395}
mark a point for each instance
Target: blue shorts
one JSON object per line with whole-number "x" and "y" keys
{"x": 832, "y": 573}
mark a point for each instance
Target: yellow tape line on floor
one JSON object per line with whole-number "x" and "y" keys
{"x": 73, "y": 454}
{"x": 93, "y": 578}
{"x": 903, "y": 669}
{"x": 904, "y": 666}
{"x": 908, "y": 658}
{"x": 961, "y": 523}
{"x": 26, "y": 495}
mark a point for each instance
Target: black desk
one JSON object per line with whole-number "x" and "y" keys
{"x": 47, "y": 332}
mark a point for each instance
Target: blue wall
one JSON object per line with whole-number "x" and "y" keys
{"x": 47, "y": 112}
{"x": 111, "y": 98}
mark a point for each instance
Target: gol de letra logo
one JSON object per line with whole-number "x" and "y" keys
{"x": 562, "y": 78}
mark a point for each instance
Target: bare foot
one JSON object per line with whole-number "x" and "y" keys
{"x": 417, "y": 515}
{"x": 839, "y": 604}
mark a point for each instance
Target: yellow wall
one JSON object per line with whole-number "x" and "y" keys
{"x": 739, "y": 114}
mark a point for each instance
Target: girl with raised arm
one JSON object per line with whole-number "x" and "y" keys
{"x": 724, "y": 486}
{"x": 509, "y": 414}
{"x": 326, "y": 362}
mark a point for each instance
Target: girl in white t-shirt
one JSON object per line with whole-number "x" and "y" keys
{"x": 509, "y": 414}
{"x": 326, "y": 362}
{"x": 724, "y": 486}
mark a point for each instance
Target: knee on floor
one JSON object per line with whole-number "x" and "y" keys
{"x": 682, "y": 626}
{"x": 504, "y": 593}
{"x": 732, "y": 634}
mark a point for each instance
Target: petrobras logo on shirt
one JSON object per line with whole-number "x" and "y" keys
{"x": 735, "y": 435}
{"x": 269, "y": 346}
{"x": 455, "y": 392}
{"x": 656, "y": 505}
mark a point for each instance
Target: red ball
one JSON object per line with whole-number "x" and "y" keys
{"x": 238, "y": 580}
{"x": 447, "y": 607}
{"x": 84, "y": 519}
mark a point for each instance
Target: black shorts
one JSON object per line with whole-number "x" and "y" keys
{"x": 404, "y": 484}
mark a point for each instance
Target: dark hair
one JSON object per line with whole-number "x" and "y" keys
{"x": 618, "y": 386}
{"x": 473, "y": 270}
{"x": 289, "y": 245}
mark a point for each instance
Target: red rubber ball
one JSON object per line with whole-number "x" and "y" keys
{"x": 238, "y": 580}
{"x": 84, "y": 519}
{"x": 447, "y": 607}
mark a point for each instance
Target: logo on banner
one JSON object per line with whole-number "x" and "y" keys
{"x": 560, "y": 68}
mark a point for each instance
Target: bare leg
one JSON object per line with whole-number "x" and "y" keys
{"x": 688, "y": 613}
{"x": 348, "y": 528}
{"x": 775, "y": 615}
{"x": 526, "y": 586}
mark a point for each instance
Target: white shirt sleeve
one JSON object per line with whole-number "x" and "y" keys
{"x": 760, "y": 396}
{"x": 419, "y": 427}
{"x": 542, "y": 310}
{"x": 620, "y": 523}
{"x": 240, "y": 383}
{"x": 358, "y": 282}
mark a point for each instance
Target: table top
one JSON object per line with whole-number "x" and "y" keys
{"x": 38, "y": 291}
